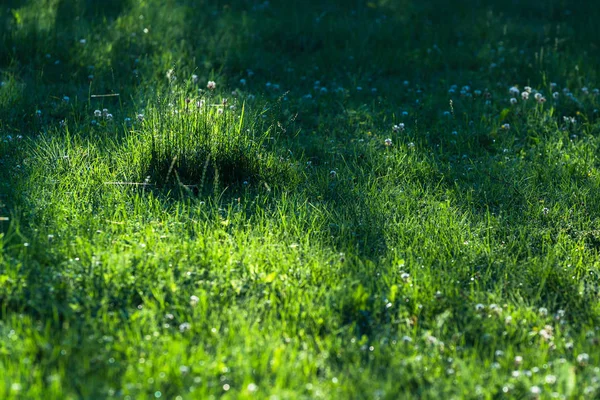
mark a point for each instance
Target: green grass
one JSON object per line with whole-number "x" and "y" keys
{"x": 276, "y": 246}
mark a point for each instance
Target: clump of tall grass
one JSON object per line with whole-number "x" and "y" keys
{"x": 205, "y": 141}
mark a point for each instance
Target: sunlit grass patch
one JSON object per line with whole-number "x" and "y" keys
{"x": 208, "y": 141}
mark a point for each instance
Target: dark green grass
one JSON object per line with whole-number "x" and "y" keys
{"x": 275, "y": 246}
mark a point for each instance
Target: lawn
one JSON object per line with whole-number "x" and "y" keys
{"x": 337, "y": 199}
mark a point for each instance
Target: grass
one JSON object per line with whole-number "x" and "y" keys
{"x": 277, "y": 244}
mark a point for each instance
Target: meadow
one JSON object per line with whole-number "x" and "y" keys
{"x": 339, "y": 199}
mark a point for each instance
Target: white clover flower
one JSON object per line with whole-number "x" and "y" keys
{"x": 109, "y": 117}
{"x": 545, "y": 211}
{"x": 252, "y": 387}
{"x": 527, "y": 89}
{"x": 525, "y": 95}
{"x": 140, "y": 117}
{"x": 550, "y": 379}
{"x": 195, "y": 78}
{"x": 97, "y": 113}
{"x": 506, "y": 126}
{"x": 537, "y": 96}
{"x": 388, "y": 142}
{"x": 332, "y": 174}
{"x": 553, "y": 85}
{"x": 583, "y": 359}
{"x": 585, "y": 90}
{"x": 185, "y": 327}
{"x": 535, "y": 390}
{"x": 518, "y": 360}
{"x": 398, "y": 127}
{"x": 514, "y": 91}
{"x": 194, "y": 300}
{"x": 479, "y": 307}
{"x": 405, "y": 276}
{"x": 555, "y": 95}
{"x": 104, "y": 112}
{"x": 211, "y": 85}
{"x": 543, "y": 311}
{"x": 513, "y": 100}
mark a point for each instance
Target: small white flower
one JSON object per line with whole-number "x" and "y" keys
{"x": 194, "y": 300}
{"x": 518, "y": 360}
{"x": 211, "y": 85}
{"x": 97, "y": 113}
{"x": 514, "y": 91}
{"x": 109, "y": 117}
{"x": 525, "y": 95}
{"x": 185, "y": 327}
{"x": 479, "y": 307}
{"x": 535, "y": 390}
{"x": 388, "y": 142}
{"x": 332, "y": 174}
{"x": 543, "y": 311}
{"x": 545, "y": 210}
{"x": 555, "y": 95}
{"x": 140, "y": 117}
{"x": 513, "y": 100}
{"x": 252, "y": 387}
{"x": 583, "y": 359}
{"x": 527, "y": 89}
{"x": 506, "y": 126}
{"x": 195, "y": 78}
